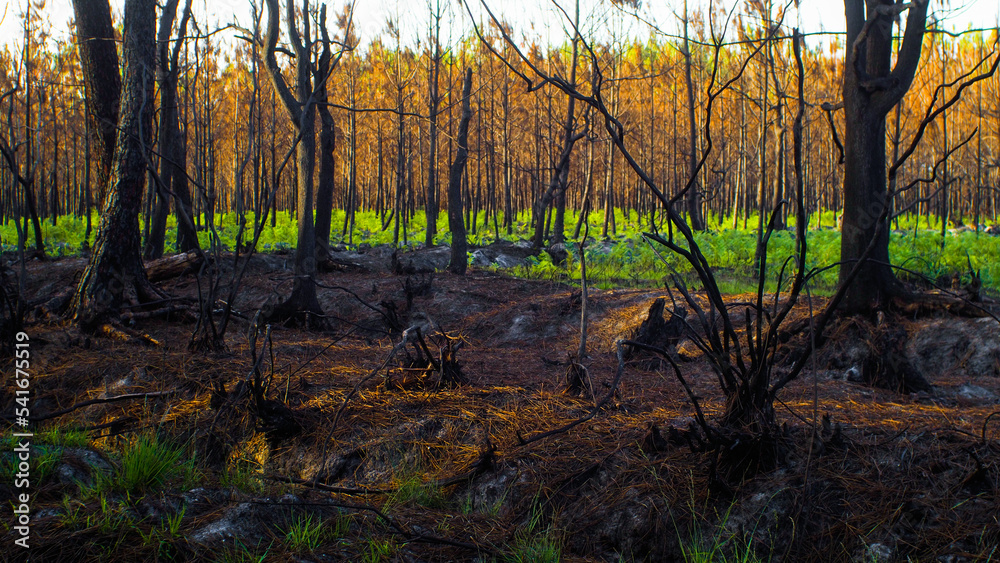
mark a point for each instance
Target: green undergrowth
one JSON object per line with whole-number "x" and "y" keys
{"x": 623, "y": 258}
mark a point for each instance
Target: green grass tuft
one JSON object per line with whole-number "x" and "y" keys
{"x": 306, "y": 533}
{"x": 146, "y": 464}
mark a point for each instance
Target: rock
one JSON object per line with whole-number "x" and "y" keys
{"x": 502, "y": 255}
{"x": 558, "y": 253}
{"x": 80, "y": 466}
{"x": 853, "y": 374}
{"x": 237, "y": 523}
{"x": 422, "y": 261}
{"x": 969, "y": 347}
{"x": 878, "y": 553}
{"x": 973, "y": 395}
{"x": 248, "y": 522}
{"x": 366, "y": 259}
{"x": 200, "y": 498}
{"x": 489, "y": 492}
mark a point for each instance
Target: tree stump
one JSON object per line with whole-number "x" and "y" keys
{"x": 659, "y": 332}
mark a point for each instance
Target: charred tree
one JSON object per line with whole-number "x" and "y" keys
{"x": 95, "y": 36}
{"x": 173, "y": 155}
{"x": 693, "y": 195}
{"x": 115, "y": 274}
{"x": 459, "y": 246}
{"x": 327, "y": 139}
{"x": 433, "y": 101}
{"x": 872, "y": 87}
{"x": 302, "y": 304}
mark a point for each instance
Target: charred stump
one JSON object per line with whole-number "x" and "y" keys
{"x": 658, "y": 332}
{"x": 422, "y": 370}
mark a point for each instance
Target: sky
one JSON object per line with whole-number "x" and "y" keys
{"x": 535, "y": 19}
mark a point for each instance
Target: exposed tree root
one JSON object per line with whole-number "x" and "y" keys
{"x": 422, "y": 370}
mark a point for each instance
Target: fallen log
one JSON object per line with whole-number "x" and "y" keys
{"x": 173, "y": 266}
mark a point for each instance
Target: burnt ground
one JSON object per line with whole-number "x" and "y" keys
{"x": 412, "y": 472}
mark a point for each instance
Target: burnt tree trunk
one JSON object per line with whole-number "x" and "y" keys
{"x": 172, "y": 154}
{"x": 302, "y": 304}
{"x": 433, "y": 100}
{"x": 99, "y": 59}
{"x": 115, "y": 274}
{"x": 327, "y": 143}
{"x": 459, "y": 246}
{"x": 871, "y": 89}
{"x": 693, "y": 196}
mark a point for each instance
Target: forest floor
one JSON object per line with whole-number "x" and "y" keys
{"x": 381, "y": 465}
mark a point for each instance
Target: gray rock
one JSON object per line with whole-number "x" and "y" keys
{"x": 81, "y": 466}
{"x": 503, "y": 255}
{"x": 247, "y": 522}
{"x": 878, "y": 553}
{"x": 973, "y": 395}
{"x": 422, "y": 261}
{"x": 377, "y": 259}
{"x": 969, "y": 347}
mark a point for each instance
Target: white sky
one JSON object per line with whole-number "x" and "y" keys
{"x": 538, "y": 19}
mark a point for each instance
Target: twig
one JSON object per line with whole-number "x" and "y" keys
{"x": 90, "y": 402}
{"x": 987, "y": 421}
{"x": 329, "y": 488}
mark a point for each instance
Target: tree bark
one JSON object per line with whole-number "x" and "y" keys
{"x": 95, "y": 36}
{"x": 115, "y": 274}
{"x": 327, "y": 142}
{"x": 169, "y": 131}
{"x": 693, "y": 196}
{"x": 459, "y": 246}
{"x": 870, "y": 91}
{"x": 302, "y": 304}
{"x": 431, "y": 209}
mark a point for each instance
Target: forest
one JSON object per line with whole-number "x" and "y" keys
{"x": 463, "y": 288}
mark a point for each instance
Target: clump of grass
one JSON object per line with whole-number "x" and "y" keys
{"x": 535, "y": 543}
{"x": 146, "y": 464}
{"x": 164, "y": 535}
{"x": 719, "y": 546}
{"x": 242, "y": 553}
{"x": 111, "y": 519}
{"x": 414, "y": 490}
{"x": 243, "y": 475}
{"x": 72, "y": 516}
{"x": 700, "y": 548}
{"x": 306, "y": 533}
{"x": 375, "y": 550}
{"x": 468, "y": 505}
{"x": 45, "y": 462}
{"x": 64, "y": 437}
{"x": 169, "y": 528}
